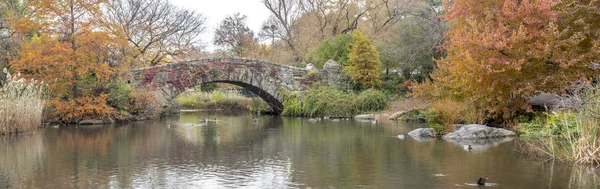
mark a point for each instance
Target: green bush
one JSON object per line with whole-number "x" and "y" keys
{"x": 435, "y": 120}
{"x": 292, "y": 105}
{"x": 554, "y": 124}
{"x": 336, "y": 49}
{"x": 119, "y": 94}
{"x": 208, "y": 87}
{"x": 220, "y": 100}
{"x": 393, "y": 84}
{"x": 334, "y": 102}
{"x": 372, "y": 100}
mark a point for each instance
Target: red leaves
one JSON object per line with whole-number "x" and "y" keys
{"x": 501, "y": 47}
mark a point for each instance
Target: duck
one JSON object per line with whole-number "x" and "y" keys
{"x": 312, "y": 120}
{"x": 481, "y": 181}
{"x": 212, "y": 120}
{"x": 335, "y": 120}
{"x": 468, "y": 147}
{"x": 401, "y": 137}
{"x": 374, "y": 121}
{"x": 255, "y": 120}
{"x": 168, "y": 126}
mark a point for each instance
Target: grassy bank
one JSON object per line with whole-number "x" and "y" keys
{"x": 220, "y": 100}
{"x": 566, "y": 135}
{"x": 334, "y": 103}
{"x": 21, "y": 105}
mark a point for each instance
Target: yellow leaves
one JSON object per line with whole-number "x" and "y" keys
{"x": 365, "y": 62}
{"x": 70, "y": 54}
{"x": 86, "y": 107}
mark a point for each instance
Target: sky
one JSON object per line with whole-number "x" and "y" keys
{"x": 216, "y": 10}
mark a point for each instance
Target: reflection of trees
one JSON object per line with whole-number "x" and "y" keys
{"x": 275, "y": 151}
{"x": 18, "y": 155}
{"x": 229, "y": 131}
{"x": 346, "y": 154}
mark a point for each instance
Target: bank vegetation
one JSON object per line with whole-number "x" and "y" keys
{"x": 21, "y": 104}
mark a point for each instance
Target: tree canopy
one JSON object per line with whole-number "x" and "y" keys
{"x": 365, "y": 67}
{"x": 504, "y": 51}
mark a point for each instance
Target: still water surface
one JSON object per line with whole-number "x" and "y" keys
{"x": 276, "y": 152}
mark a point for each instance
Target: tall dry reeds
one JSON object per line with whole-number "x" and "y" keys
{"x": 21, "y": 104}
{"x": 569, "y": 134}
{"x": 443, "y": 114}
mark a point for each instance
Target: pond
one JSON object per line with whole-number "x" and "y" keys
{"x": 274, "y": 152}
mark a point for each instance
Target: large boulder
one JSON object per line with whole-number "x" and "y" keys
{"x": 331, "y": 73}
{"x": 475, "y": 131}
{"x": 422, "y": 133}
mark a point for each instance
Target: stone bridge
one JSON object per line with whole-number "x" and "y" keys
{"x": 269, "y": 81}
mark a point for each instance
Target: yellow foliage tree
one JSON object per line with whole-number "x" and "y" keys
{"x": 365, "y": 67}
{"x": 71, "y": 55}
{"x": 503, "y": 51}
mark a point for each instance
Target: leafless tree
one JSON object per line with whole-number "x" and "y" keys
{"x": 234, "y": 35}
{"x": 416, "y": 38}
{"x": 156, "y": 29}
{"x": 285, "y": 14}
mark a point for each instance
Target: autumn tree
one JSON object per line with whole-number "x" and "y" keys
{"x": 156, "y": 30}
{"x": 365, "y": 67}
{"x": 233, "y": 35}
{"x": 12, "y": 14}
{"x": 71, "y": 55}
{"x": 503, "y": 51}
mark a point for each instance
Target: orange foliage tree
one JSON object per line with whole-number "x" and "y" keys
{"x": 71, "y": 55}
{"x": 502, "y": 51}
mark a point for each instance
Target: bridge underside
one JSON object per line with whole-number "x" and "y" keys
{"x": 275, "y": 104}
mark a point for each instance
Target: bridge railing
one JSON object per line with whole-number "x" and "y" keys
{"x": 222, "y": 59}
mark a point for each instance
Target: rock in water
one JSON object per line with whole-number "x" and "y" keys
{"x": 91, "y": 122}
{"x": 397, "y": 115}
{"x": 475, "y": 131}
{"x": 423, "y": 133}
{"x": 365, "y": 116}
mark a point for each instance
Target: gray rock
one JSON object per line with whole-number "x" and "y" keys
{"x": 365, "y": 116}
{"x": 91, "y": 122}
{"x": 332, "y": 65}
{"x": 310, "y": 66}
{"x": 422, "y": 133}
{"x": 397, "y": 115}
{"x": 108, "y": 121}
{"x": 330, "y": 75}
{"x": 475, "y": 131}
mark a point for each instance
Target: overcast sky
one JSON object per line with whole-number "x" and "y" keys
{"x": 216, "y": 10}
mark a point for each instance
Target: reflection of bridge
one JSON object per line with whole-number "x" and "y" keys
{"x": 267, "y": 80}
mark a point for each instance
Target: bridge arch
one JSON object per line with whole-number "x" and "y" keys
{"x": 267, "y": 80}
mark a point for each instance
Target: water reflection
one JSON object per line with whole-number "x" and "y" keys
{"x": 275, "y": 152}
{"x": 480, "y": 144}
